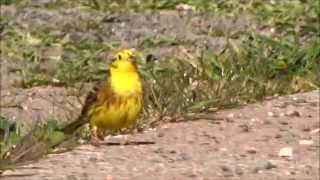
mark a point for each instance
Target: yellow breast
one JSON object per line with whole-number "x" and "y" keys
{"x": 124, "y": 104}
{"x": 122, "y": 113}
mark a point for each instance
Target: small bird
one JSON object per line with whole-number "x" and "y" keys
{"x": 114, "y": 103}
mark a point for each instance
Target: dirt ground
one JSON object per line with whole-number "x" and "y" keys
{"x": 241, "y": 143}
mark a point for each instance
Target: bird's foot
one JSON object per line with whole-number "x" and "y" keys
{"x": 95, "y": 138}
{"x": 95, "y": 141}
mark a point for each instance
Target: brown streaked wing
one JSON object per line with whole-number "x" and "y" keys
{"x": 95, "y": 97}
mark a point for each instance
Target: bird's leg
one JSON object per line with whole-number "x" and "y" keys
{"x": 101, "y": 134}
{"x": 94, "y": 139}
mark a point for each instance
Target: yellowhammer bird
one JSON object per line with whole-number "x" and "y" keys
{"x": 114, "y": 103}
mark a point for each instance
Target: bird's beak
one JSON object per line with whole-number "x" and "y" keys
{"x": 133, "y": 58}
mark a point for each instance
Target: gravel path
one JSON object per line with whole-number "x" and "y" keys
{"x": 274, "y": 139}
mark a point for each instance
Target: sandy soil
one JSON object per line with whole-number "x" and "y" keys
{"x": 241, "y": 143}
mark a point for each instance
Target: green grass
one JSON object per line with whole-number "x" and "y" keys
{"x": 287, "y": 16}
{"x": 9, "y": 135}
{"x": 175, "y": 87}
{"x": 84, "y": 63}
{"x": 261, "y": 67}
{"x": 32, "y": 146}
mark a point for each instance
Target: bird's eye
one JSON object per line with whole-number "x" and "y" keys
{"x": 119, "y": 57}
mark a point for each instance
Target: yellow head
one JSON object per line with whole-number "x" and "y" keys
{"x": 124, "y": 61}
{"x": 124, "y": 75}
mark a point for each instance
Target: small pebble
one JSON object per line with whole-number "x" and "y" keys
{"x": 251, "y": 150}
{"x": 244, "y": 127}
{"x": 283, "y": 128}
{"x": 184, "y": 157}
{"x": 293, "y": 113}
{"x": 225, "y": 168}
{"x": 283, "y": 122}
{"x": 305, "y": 142}
{"x": 25, "y": 107}
{"x": 239, "y": 171}
{"x": 223, "y": 149}
{"x": 161, "y": 134}
{"x": 158, "y": 150}
{"x": 264, "y": 164}
{"x": 93, "y": 159}
{"x": 230, "y": 117}
{"x": 227, "y": 171}
{"x": 315, "y": 131}
{"x": 253, "y": 119}
{"x": 306, "y": 129}
{"x": 299, "y": 100}
{"x": 278, "y": 136}
{"x": 289, "y": 172}
{"x": 273, "y": 114}
{"x": 286, "y": 152}
{"x": 267, "y": 121}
